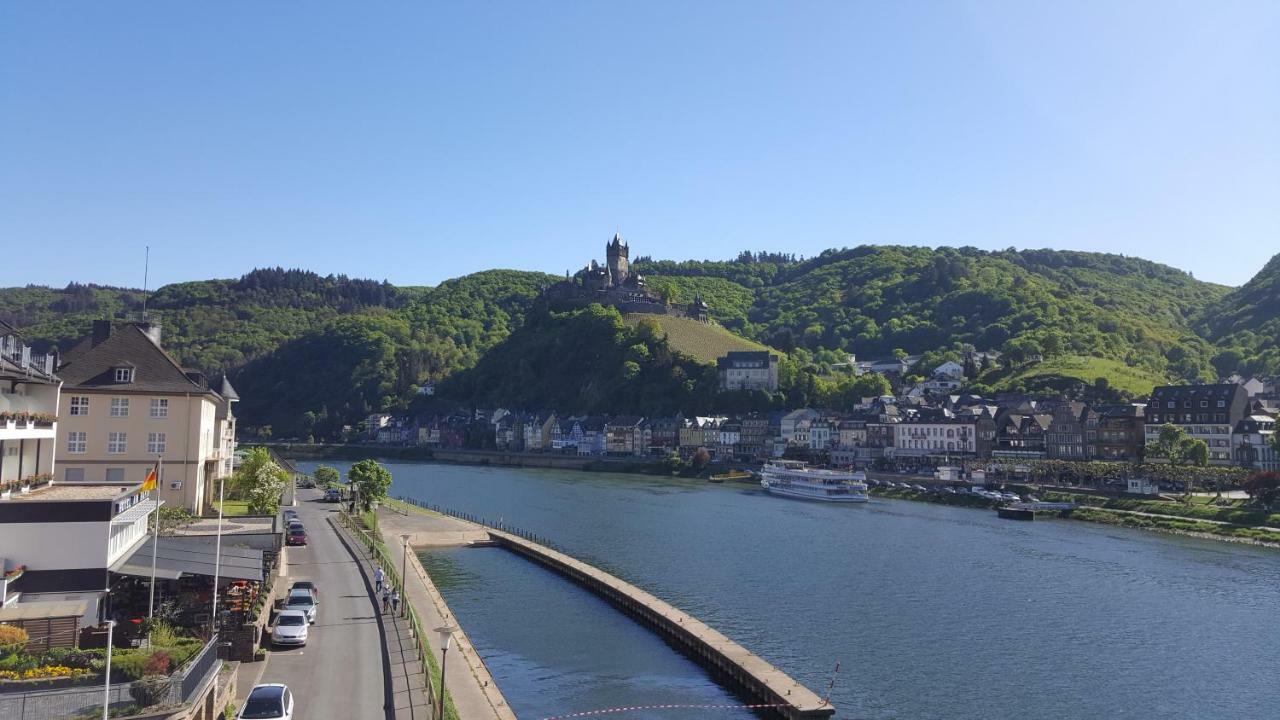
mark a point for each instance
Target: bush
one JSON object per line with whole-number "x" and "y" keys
{"x": 150, "y": 690}
{"x": 135, "y": 664}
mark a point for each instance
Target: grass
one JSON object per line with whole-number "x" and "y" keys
{"x": 1070, "y": 368}
{"x": 703, "y": 342}
{"x": 401, "y": 506}
{"x": 233, "y": 507}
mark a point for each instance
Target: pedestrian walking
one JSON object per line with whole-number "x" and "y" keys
{"x": 377, "y": 579}
{"x": 395, "y": 602}
{"x": 386, "y": 599}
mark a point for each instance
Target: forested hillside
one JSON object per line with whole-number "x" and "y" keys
{"x": 1246, "y": 324}
{"x": 310, "y": 353}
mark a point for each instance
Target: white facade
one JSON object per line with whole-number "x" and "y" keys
{"x": 926, "y": 438}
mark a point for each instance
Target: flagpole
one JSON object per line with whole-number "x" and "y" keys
{"x": 155, "y": 538}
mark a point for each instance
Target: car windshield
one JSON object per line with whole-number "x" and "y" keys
{"x": 299, "y": 600}
{"x": 291, "y": 620}
{"x": 262, "y": 705}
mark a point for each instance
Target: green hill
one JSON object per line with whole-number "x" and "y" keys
{"x": 701, "y": 341}
{"x": 311, "y": 353}
{"x": 1246, "y": 325}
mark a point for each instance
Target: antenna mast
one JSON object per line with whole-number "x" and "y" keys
{"x": 146, "y": 271}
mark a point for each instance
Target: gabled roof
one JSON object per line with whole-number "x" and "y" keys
{"x": 128, "y": 346}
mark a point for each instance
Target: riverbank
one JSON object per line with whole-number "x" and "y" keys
{"x": 1165, "y": 523}
{"x": 630, "y": 465}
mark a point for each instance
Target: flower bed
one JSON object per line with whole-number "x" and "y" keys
{"x": 45, "y": 672}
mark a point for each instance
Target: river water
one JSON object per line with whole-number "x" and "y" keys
{"x": 931, "y": 611}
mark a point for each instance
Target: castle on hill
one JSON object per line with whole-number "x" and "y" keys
{"x": 614, "y": 283}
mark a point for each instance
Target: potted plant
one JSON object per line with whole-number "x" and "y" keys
{"x": 6, "y": 489}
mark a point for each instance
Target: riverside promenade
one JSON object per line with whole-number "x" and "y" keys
{"x": 767, "y": 685}
{"x": 470, "y": 687}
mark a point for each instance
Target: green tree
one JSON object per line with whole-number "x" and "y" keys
{"x": 260, "y": 481}
{"x": 1173, "y": 444}
{"x": 371, "y": 482}
{"x": 327, "y": 476}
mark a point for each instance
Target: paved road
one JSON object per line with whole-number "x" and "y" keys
{"x": 340, "y": 673}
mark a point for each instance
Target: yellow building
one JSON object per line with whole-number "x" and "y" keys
{"x": 126, "y": 403}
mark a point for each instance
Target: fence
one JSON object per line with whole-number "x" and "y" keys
{"x": 378, "y": 550}
{"x": 500, "y": 525}
{"x": 86, "y": 701}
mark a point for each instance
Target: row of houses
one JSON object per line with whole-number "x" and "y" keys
{"x": 1236, "y": 428}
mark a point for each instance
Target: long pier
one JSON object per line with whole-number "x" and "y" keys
{"x": 762, "y": 681}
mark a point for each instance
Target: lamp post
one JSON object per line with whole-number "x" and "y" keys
{"x": 445, "y": 635}
{"x": 106, "y": 688}
{"x": 217, "y": 559}
{"x": 404, "y": 582}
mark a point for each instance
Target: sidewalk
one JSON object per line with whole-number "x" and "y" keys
{"x": 472, "y": 689}
{"x": 408, "y": 679}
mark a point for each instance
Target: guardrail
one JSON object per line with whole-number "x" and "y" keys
{"x": 378, "y": 550}
{"x": 478, "y": 520}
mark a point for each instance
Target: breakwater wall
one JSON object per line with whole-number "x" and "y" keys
{"x": 766, "y": 684}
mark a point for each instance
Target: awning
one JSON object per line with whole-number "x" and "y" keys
{"x": 178, "y": 556}
{"x": 42, "y": 610}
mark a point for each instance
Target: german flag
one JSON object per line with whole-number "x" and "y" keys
{"x": 152, "y": 478}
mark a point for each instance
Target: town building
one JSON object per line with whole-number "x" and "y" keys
{"x": 1065, "y": 437}
{"x": 935, "y": 437}
{"x": 1252, "y": 439}
{"x": 1115, "y": 432}
{"x": 29, "y": 394}
{"x": 748, "y": 370}
{"x": 1205, "y": 412}
{"x": 625, "y": 435}
{"x": 126, "y": 404}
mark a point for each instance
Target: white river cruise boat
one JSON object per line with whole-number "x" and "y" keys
{"x": 791, "y": 478}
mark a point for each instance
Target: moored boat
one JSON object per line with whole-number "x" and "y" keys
{"x": 790, "y": 478}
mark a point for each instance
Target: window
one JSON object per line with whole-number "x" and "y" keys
{"x": 119, "y": 407}
{"x": 155, "y": 443}
{"x": 76, "y": 442}
{"x": 116, "y": 443}
{"x": 115, "y": 475}
{"x": 1222, "y": 403}
{"x": 124, "y": 375}
{"x": 159, "y": 407}
{"x": 73, "y": 474}
{"x": 80, "y": 405}
{"x": 1204, "y": 403}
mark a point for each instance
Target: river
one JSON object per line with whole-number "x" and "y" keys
{"x": 931, "y": 611}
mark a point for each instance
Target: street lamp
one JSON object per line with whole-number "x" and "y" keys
{"x": 106, "y": 688}
{"x": 404, "y": 582}
{"x": 444, "y": 634}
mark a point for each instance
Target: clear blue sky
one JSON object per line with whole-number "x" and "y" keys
{"x": 419, "y": 141}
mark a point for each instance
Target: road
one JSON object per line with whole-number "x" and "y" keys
{"x": 340, "y": 673}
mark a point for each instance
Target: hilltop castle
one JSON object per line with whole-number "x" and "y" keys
{"x": 615, "y": 284}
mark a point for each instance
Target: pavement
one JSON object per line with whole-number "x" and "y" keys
{"x": 474, "y": 693}
{"x": 342, "y": 671}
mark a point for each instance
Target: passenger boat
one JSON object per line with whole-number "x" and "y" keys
{"x": 790, "y": 478}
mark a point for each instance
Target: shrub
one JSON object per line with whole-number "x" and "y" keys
{"x": 157, "y": 663}
{"x": 150, "y": 690}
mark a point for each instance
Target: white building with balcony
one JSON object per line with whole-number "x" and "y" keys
{"x": 28, "y": 414}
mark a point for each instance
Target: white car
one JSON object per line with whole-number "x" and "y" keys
{"x": 291, "y": 628}
{"x": 304, "y": 601}
{"x": 268, "y": 702}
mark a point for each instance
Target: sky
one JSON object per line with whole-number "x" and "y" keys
{"x": 415, "y": 142}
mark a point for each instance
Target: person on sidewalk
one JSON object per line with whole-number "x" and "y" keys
{"x": 377, "y": 579}
{"x": 395, "y": 602}
{"x": 386, "y": 599}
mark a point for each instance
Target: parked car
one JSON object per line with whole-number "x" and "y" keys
{"x": 332, "y": 495}
{"x": 1010, "y": 497}
{"x": 290, "y": 628}
{"x": 919, "y": 488}
{"x": 295, "y": 536}
{"x": 304, "y": 601}
{"x": 268, "y": 702}
{"x": 306, "y": 585}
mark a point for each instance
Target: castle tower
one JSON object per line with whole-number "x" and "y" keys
{"x": 616, "y": 253}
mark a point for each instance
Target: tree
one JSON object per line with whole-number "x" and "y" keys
{"x": 371, "y": 482}
{"x": 700, "y": 459}
{"x": 260, "y": 481}
{"x": 327, "y": 476}
{"x": 1173, "y": 444}
{"x": 1263, "y": 488}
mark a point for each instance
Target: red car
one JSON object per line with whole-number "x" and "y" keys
{"x": 296, "y": 536}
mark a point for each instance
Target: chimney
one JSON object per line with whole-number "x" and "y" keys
{"x": 151, "y": 328}
{"x": 101, "y": 331}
